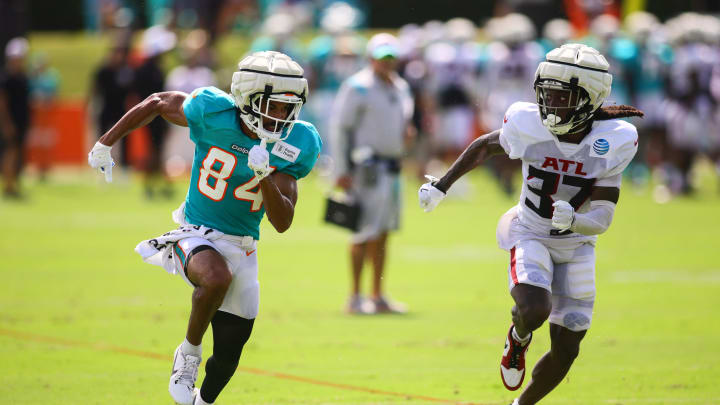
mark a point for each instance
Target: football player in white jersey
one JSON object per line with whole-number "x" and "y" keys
{"x": 573, "y": 153}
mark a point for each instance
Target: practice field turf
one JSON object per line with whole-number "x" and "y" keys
{"x": 84, "y": 321}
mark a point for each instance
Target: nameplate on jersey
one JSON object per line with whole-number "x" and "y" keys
{"x": 285, "y": 151}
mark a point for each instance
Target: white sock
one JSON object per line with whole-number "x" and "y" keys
{"x": 191, "y": 349}
{"x": 200, "y": 401}
{"x": 516, "y": 402}
{"x": 524, "y": 340}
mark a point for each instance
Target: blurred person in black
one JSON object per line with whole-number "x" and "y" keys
{"x": 112, "y": 83}
{"x": 149, "y": 78}
{"x": 14, "y": 114}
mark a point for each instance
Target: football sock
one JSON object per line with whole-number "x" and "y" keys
{"x": 522, "y": 341}
{"x": 230, "y": 332}
{"x": 191, "y": 349}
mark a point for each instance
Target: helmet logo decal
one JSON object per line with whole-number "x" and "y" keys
{"x": 601, "y": 146}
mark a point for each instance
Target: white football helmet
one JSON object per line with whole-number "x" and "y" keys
{"x": 582, "y": 73}
{"x": 263, "y": 77}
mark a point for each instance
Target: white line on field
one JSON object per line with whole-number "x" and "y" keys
{"x": 666, "y": 276}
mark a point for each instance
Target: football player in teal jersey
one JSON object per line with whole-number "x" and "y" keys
{"x": 250, "y": 151}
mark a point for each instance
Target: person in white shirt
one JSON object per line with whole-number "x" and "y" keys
{"x": 573, "y": 153}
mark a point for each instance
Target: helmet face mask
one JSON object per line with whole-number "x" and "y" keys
{"x": 272, "y": 116}
{"x": 564, "y": 107}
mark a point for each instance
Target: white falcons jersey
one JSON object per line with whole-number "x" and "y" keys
{"x": 554, "y": 170}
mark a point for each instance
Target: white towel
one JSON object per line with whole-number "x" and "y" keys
{"x": 158, "y": 251}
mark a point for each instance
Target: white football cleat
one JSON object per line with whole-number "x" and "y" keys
{"x": 183, "y": 377}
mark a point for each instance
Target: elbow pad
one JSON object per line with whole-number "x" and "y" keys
{"x": 595, "y": 221}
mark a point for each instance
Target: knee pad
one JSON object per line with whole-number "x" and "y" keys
{"x": 572, "y": 314}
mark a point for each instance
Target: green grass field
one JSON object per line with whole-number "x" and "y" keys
{"x": 84, "y": 321}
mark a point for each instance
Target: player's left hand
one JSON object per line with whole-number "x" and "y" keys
{"x": 429, "y": 195}
{"x": 259, "y": 161}
{"x": 563, "y": 215}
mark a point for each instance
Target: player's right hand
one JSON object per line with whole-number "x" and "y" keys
{"x": 99, "y": 158}
{"x": 259, "y": 161}
{"x": 429, "y": 195}
{"x": 563, "y": 215}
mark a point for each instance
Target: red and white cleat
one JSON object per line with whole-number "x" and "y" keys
{"x": 512, "y": 366}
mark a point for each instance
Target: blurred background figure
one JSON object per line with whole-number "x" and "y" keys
{"x": 413, "y": 67}
{"x": 279, "y": 33}
{"x": 14, "y": 115}
{"x": 513, "y": 56}
{"x": 369, "y": 132}
{"x": 556, "y": 32}
{"x": 44, "y": 86}
{"x": 453, "y": 66}
{"x": 194, "y": 71}
{"x": 693, "y": 121}
{"x": 149, "y": 78}
{"x": 112, "y": 83}
{"x": 333, "y": 56}
{"x": 650, "y": 69}
{"x": 621, "y": 53}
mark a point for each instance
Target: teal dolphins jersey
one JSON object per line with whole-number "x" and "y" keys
{"x": 224, "y": 193}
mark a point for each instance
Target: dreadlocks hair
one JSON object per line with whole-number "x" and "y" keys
{"x": 617, "y": 111}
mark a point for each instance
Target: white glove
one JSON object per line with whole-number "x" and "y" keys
{"x": 99, "y": 158}
{"x": 563, "y": 215}
{"x": 429, "y": 195}
{"x": 259, "y": 161}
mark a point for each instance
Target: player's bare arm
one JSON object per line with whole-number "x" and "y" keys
{"x": 431, "y": 193}
{"x": 477, "y": 152}
{"x": 611, "y": 194}
{"x": 279, "y": 192}
{"x": 167, "y": 104}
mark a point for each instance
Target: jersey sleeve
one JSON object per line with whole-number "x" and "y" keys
{"x": 624, "y": 153}
{"x": 309, "y": 153}
{"x": 610, "y": 181}
{"x": 510, "y": 138}
{"x": 200, "y": 103}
